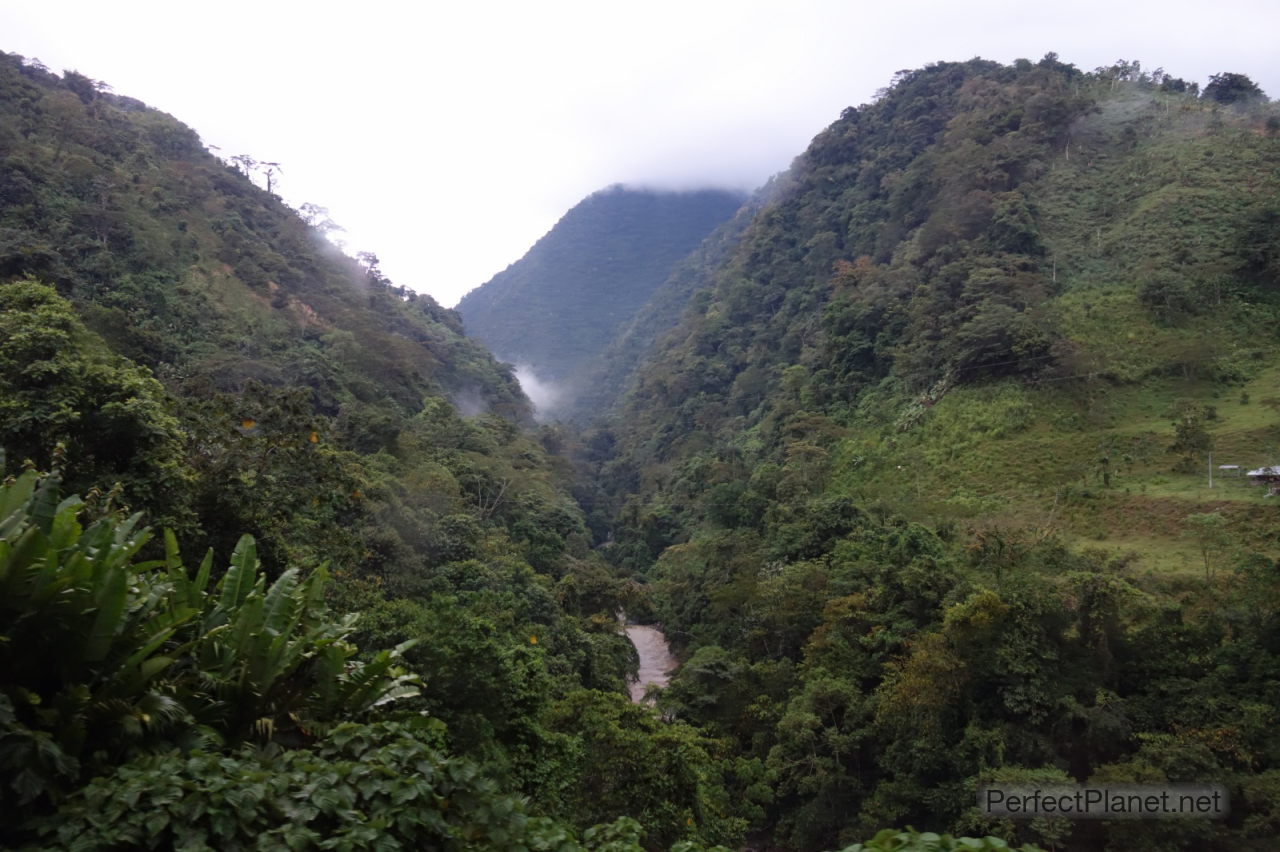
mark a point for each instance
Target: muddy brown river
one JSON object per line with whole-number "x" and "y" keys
{"x": 656, "y": 662}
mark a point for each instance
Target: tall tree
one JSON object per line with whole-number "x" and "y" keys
{"x": 1229, "y": 88}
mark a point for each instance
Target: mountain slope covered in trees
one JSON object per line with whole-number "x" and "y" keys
{"x": 918, "y": 482}
{"x": 1029, "y": 236}
{"x": 558, "y": 307}
{"x": 211, "y": 376}
{"x": 600, "y": 384}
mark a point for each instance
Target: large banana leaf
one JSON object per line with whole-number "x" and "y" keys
{"x": 101, "y": 652}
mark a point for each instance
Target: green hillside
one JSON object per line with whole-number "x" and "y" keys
{"x": 994, "y": 264}
{"x": 560, "y": 306}
{"x": 179, "y": 259}
{"x": 919, "y": 481}
{"x": 187, "y": 367}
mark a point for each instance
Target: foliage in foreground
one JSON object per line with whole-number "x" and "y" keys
{"x": 146, "y": 706}
{"x": 105, "y": 657}
{"x": 892, "y": 840}
{"x": 380, "y": 786}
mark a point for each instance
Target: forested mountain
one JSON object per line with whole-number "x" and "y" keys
{"x": 557, "y": 308}
{"x": 918, "y": 481}
{"x": 210, "y": 375}
{"x": 908, "y": 465}
{"x": 1021, "y": 239}
{"x": 599, "y": 385}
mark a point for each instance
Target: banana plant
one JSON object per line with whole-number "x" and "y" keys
{"x": 85, "y": 636}
{"x": 103, "y": 653}
{"x": 270, "y": 656}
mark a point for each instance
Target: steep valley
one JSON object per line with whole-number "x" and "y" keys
{"x": 906, "y": 455}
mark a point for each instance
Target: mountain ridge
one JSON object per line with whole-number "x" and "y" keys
{"x": 556, "y": 309}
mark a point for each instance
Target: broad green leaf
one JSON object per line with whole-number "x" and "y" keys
{"x": 110, "y": 597}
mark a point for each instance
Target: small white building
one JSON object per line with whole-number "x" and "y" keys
{"x": 1269, "y": 476}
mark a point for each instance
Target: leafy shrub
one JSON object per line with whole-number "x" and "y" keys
{"x": 104, "y": 656}
{"x": 382, "y": 786}
{"x": 893, "y": 840}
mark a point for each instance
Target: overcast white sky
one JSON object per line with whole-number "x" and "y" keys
{"x": 447, "y": 138}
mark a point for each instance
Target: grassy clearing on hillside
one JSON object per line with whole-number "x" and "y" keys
{"x": 1091, "y": 465}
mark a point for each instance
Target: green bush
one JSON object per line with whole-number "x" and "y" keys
{"x": 382, "y": 786}
{"x": 104, "y": 656}
{"x": 893, "y": 840}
